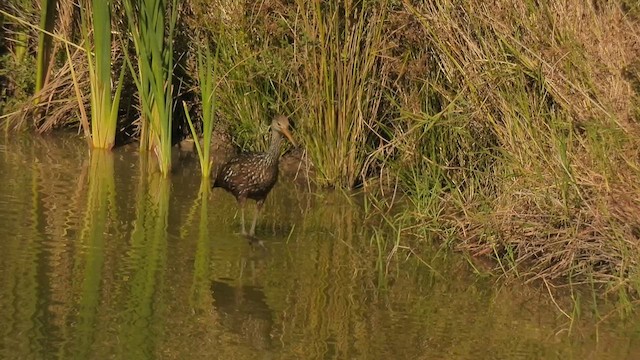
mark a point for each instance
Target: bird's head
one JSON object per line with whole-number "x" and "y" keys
{"x": 281, "y": 124}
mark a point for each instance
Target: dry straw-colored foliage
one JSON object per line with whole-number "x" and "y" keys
{"x": 568, "y": 200}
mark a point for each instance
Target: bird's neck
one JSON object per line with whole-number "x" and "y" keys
{"x": 274, "y": 148}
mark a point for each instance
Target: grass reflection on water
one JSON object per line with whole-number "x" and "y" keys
{"x": 104, "y": 258}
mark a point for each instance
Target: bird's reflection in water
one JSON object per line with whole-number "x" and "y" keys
{"x": 244, "y": 311}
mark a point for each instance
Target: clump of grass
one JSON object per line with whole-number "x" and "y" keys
{"x": 48, "y": 106}
{"x": 244, "y": 99}
{"x": 248, "y": 87}
{"x": 152, "y": 32}
{"x": 206, "y": 76}
{"x": 341, "y": 84}
{"x": 104, "y": 107}
{"x": 517, "y": 144}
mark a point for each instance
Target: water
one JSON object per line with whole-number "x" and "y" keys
{"x": 100, "y": 259}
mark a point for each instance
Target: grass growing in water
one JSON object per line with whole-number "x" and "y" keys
{"x": 154, "y": 49}
{"x": 206, "y": 77}
{"x": 104, "y": 108}
{"x": 338, "y": 49}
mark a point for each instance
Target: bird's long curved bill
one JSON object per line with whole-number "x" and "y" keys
{"x": 286, "y": 133}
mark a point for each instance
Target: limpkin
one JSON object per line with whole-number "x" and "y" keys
{"x": 253, "y": 175}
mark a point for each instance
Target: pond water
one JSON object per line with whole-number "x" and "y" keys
{"x": 101, "y": 258}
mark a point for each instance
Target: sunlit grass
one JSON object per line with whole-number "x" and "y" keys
{"x": 243, "y": 98}
{"x": 496, "y": 145}
{"x": 206, "y": 78}
{"x": 96, "y": 33}
{"x": 152, "y": 31}
{"x": 341, "y": 85}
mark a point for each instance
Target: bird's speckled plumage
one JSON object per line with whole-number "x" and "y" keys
{"x": 249, "y": 176}
{"x": 253, "y": 175}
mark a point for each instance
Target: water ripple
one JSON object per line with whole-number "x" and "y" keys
{"x": 121, "y": 263}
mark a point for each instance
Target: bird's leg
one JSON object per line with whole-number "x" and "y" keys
{"x": 255, "y": 217}
{"x": 241, "y": 201}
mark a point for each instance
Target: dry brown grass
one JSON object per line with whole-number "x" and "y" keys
{"x": 553, "y": 86}
{"x": 56, "y": 105}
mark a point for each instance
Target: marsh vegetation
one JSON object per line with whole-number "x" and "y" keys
{"x": 507, "y": 132}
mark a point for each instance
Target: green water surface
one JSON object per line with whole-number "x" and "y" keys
{"x": 102, "y": 259}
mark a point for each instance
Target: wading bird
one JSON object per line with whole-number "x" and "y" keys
{"x": 253, "y": 175}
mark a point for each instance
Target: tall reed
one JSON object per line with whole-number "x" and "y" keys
{"x": 104, "y": 109}
{"x": 153, "y": 42}
{"x": 339, "y": 50}
{"x": 206, "y": 77}
{"x": 21, "y": 34}
{"x": 48, "y": 14}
